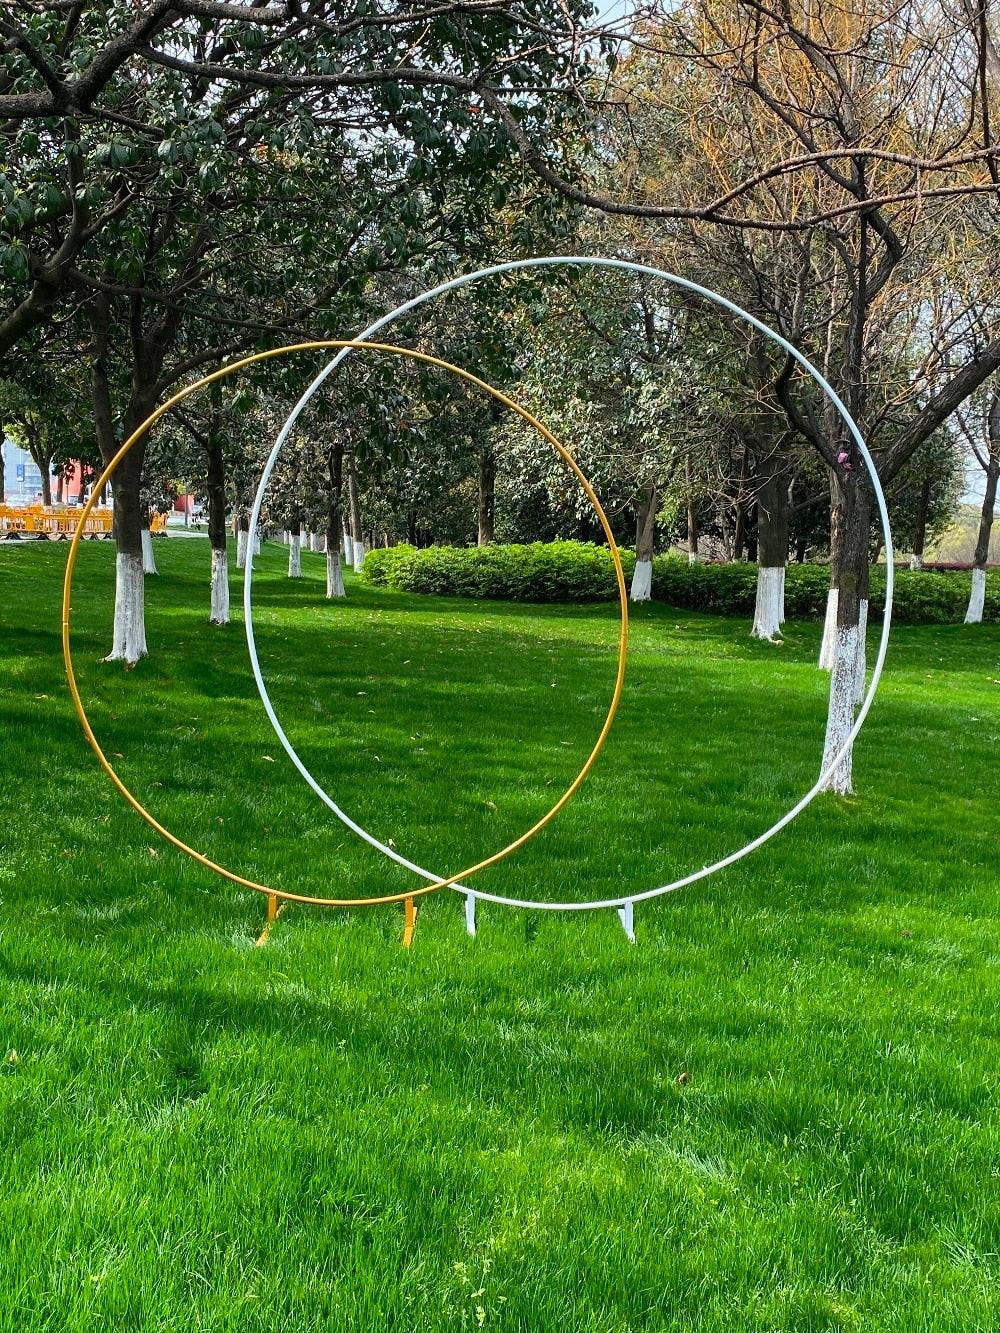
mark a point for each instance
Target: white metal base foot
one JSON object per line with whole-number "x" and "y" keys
{"x": 470, "y": 913}
{"x": 628, "y": 923}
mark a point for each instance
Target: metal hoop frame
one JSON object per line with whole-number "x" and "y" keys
{"x": 673, "y": 279}
{"x": 408, "y": 353}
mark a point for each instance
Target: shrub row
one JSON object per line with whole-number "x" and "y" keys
{"x": 541, "y": 572}
{"x": 580, "y": 572}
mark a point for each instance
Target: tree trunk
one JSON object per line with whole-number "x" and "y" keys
{"x": 129, "y": 634}
{"x": 645, "y": 533}
{"x": 216, "y": 487}
{"x": 692, "y": 515}
{"x": 487, "y": 493}
{"x": 42, "y": 459}
{"x": 334, "y": 523}
{"x": 852, "y": 510}
{"x": 148, "y": 558}
{"x": 295, "y": 549}
{"x": 739, "y": 531}
{"x": 772, "y": 550}
{"x": 129, "y": 637}
{"x": 358, "y": 552}
{"x": 242, "y": 541}
{"x": 334, "y": 571}
{"x": 828, "y": 646}
{"x": 977, "y": 598}
{"x": 920, "y": 530}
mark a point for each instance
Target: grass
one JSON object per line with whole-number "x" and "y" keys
{"x": 778, "y": 1110}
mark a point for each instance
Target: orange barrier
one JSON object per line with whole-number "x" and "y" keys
{"x": 54, "y": 521}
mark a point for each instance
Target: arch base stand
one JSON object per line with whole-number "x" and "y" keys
{"x": 625, "y": 915}
{"x": 410, "y": 921}
{"x": 274, "y": 910}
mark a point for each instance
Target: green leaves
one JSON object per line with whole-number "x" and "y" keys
{"x": 115, "y": 153}
{"x": 14, "y": 261}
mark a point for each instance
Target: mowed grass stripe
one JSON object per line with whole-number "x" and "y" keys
{"x": 331, "y": 1132}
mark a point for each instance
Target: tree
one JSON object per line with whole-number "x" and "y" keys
{"x": 166, "y": 152}
{"x": 617, "y": 367}
{"x": 980, "y": 427}
{"x": 42, "y": 407}
{"x": 854, "y": 102}
{"x": 83, "y": 87}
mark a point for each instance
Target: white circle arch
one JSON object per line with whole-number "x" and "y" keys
{"x": 686, "y": 284}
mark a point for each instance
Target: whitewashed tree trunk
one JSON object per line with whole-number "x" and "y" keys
{"x": 861, "y": 658}
{"x": 148, "y": 559}
{"x": 320, "y": 542}
{"x": 129, "y": 641}
{"x": 645, "y": 538}
{"x": 916, "y": 562}
{"x": 828, "y": 647}
{"x": 256, "y": 543}
{"x": 334, "y": 575}
{"x": 295, "y": 556}
{"x": 692, "y": 557}
{"x": 772, "y": 536}
{"x": 977, "y": 598}
{"x": 769, "y": 608}
{"x": 220, "y": 588}
{"x": 349, "y": 548}
{"x": 642, "y": 581}
{"x": 242, "y": 540}
{"x": 840, "y": 718}
{"x": 977, "y": 595}
{"x": 850, "y": 513}
{"x": 354, "y": 509}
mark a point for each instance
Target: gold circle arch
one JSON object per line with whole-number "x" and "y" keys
{"x": 133, "y": 800}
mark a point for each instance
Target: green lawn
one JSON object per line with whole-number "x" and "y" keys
{"x": 777, "y": 1110}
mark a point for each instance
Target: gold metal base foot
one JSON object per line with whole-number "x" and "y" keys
{"x": 410, "y": 919}
{"x": 274, "y": 910}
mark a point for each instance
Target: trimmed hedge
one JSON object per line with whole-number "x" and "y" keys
{"x": 541, "y": 572}
{"x": 580, "y": 572}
